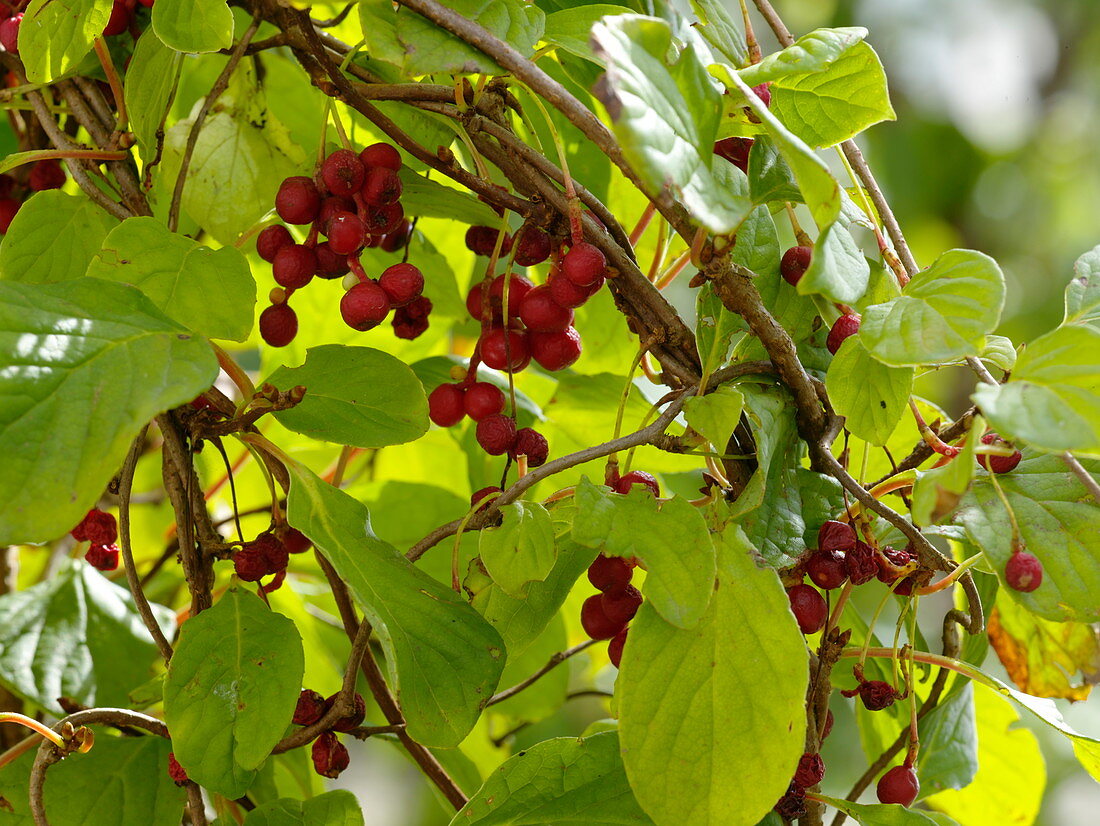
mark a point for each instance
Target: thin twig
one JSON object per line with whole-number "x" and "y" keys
{"x": 1086, "y": 478}
{"x": 554, "y": 661}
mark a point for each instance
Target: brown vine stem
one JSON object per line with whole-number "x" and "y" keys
{"x": 555, "y": 660}
{"x": 108, "y": 65}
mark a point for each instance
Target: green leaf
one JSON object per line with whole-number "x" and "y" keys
{"x": 431, "y": 199}
{"x": 53, "y": 237}
{"x": 870, "y": 395}
{"x": 669, "y": 536}
{"x": 1052, "y": 401}
{"x": 715, "y": 415}
{"x": 444, "y": 659}
{"x": 569, "y": 29}
{"x": 943, "y": 314}
{"x": 565, "y": 781}
{"x": 337, "y": 808}
{"x": 688, "y": 699}
{"x": 149, "y": 89}
{"x": 195, "y": 26}
{"x": 56, "y": 34}
{"x": 666, "y": 118}
{"x": 714, "y": 328}
{"x": 827, "y": 107}
{"x": 838, "y": 269}
{"x": 1083, "y": 292}
{"x": 521, "y": 550}
{"x": 76, "y": 635}
{"x": 722, "y": 29}
{"x": 770, "y": 176}
{"x": 354, "y": 396}
{"x": 180, "y": 276}
{"x": 232, "y": 686}
{"x": 88, "y": 362}
{"x": 1057, "y": 520}
{"x": 949, "y": 744}
{"x": 882, "y": 814}
{"x": 810, "y": 54}
{"x": 999, "y": 351}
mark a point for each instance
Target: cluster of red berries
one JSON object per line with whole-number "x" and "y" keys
{"x": 47, "y": 174}
{"x": 354, "y": 202}
{"x": 330, "y": 756}
{"x": 810, "y": 771}
{"x": 101, "y": 530}
{"x": 496, "y": 432}
{"x": 268, "y": 555}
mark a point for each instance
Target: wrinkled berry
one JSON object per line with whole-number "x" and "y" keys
{"x": 446, "y": 405}
{"x": 364, "y": 306}
{"x": 998, "y": 464}
{"x": 483, "y": 399}
{"x": 271, "y": 550}
{"x": 278, "y": 325}
{"x": 309, "y": 709}
{"x": 412, "y": 319}
{"x": 102, "y": 557}
{"x": 533, "y": 445}
{"x": 496, "y": 434}
{"x": 595, "y": 622}
{"x": 343, "y": 173}
{"x": 836, "y": 536}
{"x": 97, "y": 527}
{"x": 584, "y": 264}
{"x": 826, "y": 569}
{"x": 482, "y": 240}
{"x": 402, "y": 283}
{"x": 1024, "y": 572}
{"x": 330, "y": 756}
{"x": 898, "y": 785}
{"x": 794, "y": 264}
{"x": 845, "y": 326}
{"x": 555, "y": 351}
{"x": 892, "y": 562}
{"x": 792, "y": 805}
{"x": 610, "y": 572}
{"x": 533, "y": 246}
{"x": 298, "y": 200}
{"x": 175, "y": 770}
{"x": 810, "y": 771}
{"x": 353, "y": 719}
{"x": 875, "y": 694}
{"x": 809, "y": 608}
{"x": 249, "y": 564}
{"x": 638, "y": 477}
{"x": 861, "y": 563}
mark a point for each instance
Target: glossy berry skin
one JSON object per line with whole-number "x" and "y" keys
{"x": 899, "y": 785}
{"x": 278, "y": 325}
{"x": 568, "y": 294}
{"x": 298, "y": 200}
{"x": 331, "y": 207}
{"x": 47, "y": 174}
{"x": 402, "y": 283}
{"x": 533, "y": 445}
{"x": 97, "y": 527}
{"x": 810, "y": 771}
{"x": 584, "y": 264}
{"x": 364, "y": 306}
{"x": 621, "y": 604}
{"x": 294, "y": 266}
{"x": 809, "y": 608}
{"x": 540, "y": 313}
{"x": 8, "y": 209}
{"x": 555, "y": 351}
{"x": 271, "y": 240}
{"x": 998, "y": 464}
{"x": 381, "y": 154}
{"x": 638, "y": 477}
{"x": 610, "y": 572}
{"x": 346, "y": 233}
{"x": 1024, "y": 572}
{"x": 861, "y": 563}
{"x": 9, "y": 33}
{"x": 483, "y": 399}
{"x": 836, "y": 536}
{"x": 845, "y": 326}
{"x": 446, "y": 405}
{"x": 735, "y": 150}
{"x": 794, "y": 264}
{"x": 294, "y": 540}
{"x": 102, "y": 557}
{"x": 496, "y": 434}
{"x": 381, "y": 187}
{"x": 482, "y": 497}
{"x": 330, "y": 756}
{"x": 826, "y": 569}
{"x": 175, "y": 770}
{"x": 518, "y": 289}
{"x": 355, "y": 718}
{"x": 309, "y": 709}
{"x": 510, "y": 354}
{"x": 533, "y": 246}
{"x": 343, "y": 173}
{"x": 595, "y": 622}
{"x": 615, "y": 648}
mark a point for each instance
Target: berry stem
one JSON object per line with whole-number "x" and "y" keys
{"x": 800, "y": 235}
{"x": 750, "y": 37}
{"x": 643, "y": 222}
{"x": 575, "y": 229}
{"x": 108, "y": 65}
{"x": 33, "y": 725}
{"x": 339, "y": 124}
{"x": 959, "y": 667}
{"x": 930, "y": 438}
{"x": 660, "y": 251}
{"x": 673, "y": 270}
{"x": 914, "y": 734}
{"x": 948, "y": 580}
{"x": 1008, "y": 509}
{"x": 24, "y": 158}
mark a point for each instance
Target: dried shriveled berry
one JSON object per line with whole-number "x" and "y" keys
{"x": 836, "y": 536}
{"x": 844, "y": 327}
{"x": 309, "y": 709}
{"x": 826, "y": 569}
{"x": 595, "y": 622}
{"x": 278, "y": 325}
{"x": 794, "y": 264}
{"x": 1024, "y": 572}
{"x": 47, "y": 174}
{"x": 271, "y": 240}
{"x": 298, "y": 200}
{"x": 533, "y": 445}
{"x": 274, "y": 553}
{"x": 249, "y": 564}
{"x": 861, "y": 563}
{"x": 899, "y": 785}
{"x": 615, "y": 648}
{"x": 354, "y": 718}
{"x": 584, "y": 265}
{"x": 556, "y": 351}
{"x": 792, "y": 805}
{"x": 412, "y": 319}
{"x": 446, "y": 405}
{"x": 102, "y": 557}
{"x": 97, "y": 527}
{"x": 998, "y": 464}
{"x": 482, "y": 240}
{"x": 875, "y": 694}
{"x": 810, "y": 771}
{"x": 892, "y": 563}
{"x": 533, "y": 246}
{"x": 809, "y": 608}
{"x": 402, "y": 283}
{"x": 175, "y": 770}
{"x": 330, "y": 756}
{"x": 365, "y": 306}
{"x": 610, "y": 572}
{"x": 343, "y": 173}
{"x": 638, "y": 477}
{"x": 496, "y": 434}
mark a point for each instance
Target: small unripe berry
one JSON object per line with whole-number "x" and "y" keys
{"x": 540, "y": 313}
{"x": 402, "y": 283}
{"x": 294, "y": 266}
{"x": 845, "y": 326}
{"x": 381, "y": 154}
{"x": 504, "y": 350}
{"x": 584, "y": 264}
{"x": 998, "y": 464}
{"x": 533, "y": 445}
{"x": 343, "y": 173}
{"x": 735, "y": 150}
{"x": 483, "y": 399}
{"x": 595, "y": 622}
{"x": 381, "y": 187}
{"x": 809, "y": 608}
{"x": 533, "y": 246}
{"x": 638, "y": 477}
{"x": 330, "y": 756}
{"x": 899, "y": 785}
{"x": 1024, "y": 572}
{"x": 496, "y": 434}
{"x": 364, "y": 306}
{"x": 271, "y": 240}
{"x": 615, "y": 648}
{"x": 298, "y": 200}
{"x": 555, "y": 351}
{"x": 446, "y": 405}
{"x": 794, "y": 264}
{"x": 608, "y": 572}
{"x": 278, "y": 325}
{"x": 346, "y": 233}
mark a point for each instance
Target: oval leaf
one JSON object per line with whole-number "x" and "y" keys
{"x": 195, "y": 26}
{"x": 870, "y": 395}
{"x": 522, "y": 549}
{"x": 56, "y": 34}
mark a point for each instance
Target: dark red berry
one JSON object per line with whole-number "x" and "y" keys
{"x": 381, "y": 154}
{"x": 496, "y": 434}
{"x": 482, "y": 240}
{"x": 9, "y": 33}
{"x": 826, "y": 569}
{"x": 396, "y": 240}
{"x": 764, "y": 93}
{"x": 533, "y": 246}
{"x": 836, "y": 536}
{"x": 555, "y": 351}
{"x": 483, "y": 399}
{"x": 412, "y": 319}
{"x": 584, "y": 264}
{"x": 481, "y": 499}
{"x": 609, "y": 572}
{"x": 272, "y": 551}
{"x": 346, "y": 233}
{"x": 503, "y": 350}
{"x": 845, "y": 326}
{"x": 278, "y": 325}
{"x": 343, "y": 173}
{"x": 475, "y": 303}
{"x": 175, "y": 770}
{"x": 540, "y": 313}
{"x": 568, "y": 294}
{"x": 294, "y": 266}
{"x": 298, "y": 200}
{"x": 735, "y": 150}
{"x": 47, "y": 174}
{"x": 381, "y": 187}
{"x": 794, "y": 264}
{"x": 402, "y": 283}
{"x": 1024, "y": 572}
{"x": 998, "y": 464}
{"x": 446, "y": 405}
{"x": 518, "y": 289}
{"x": 875, "y": 694}
{"x": 331, "y": 207}
{"x": 638, "y": 477}
{"x": 330, "y": 265}
{"x": 792, "y": 805}
{"x": 533, "y": 445}
{"x": 809, "y": 608}
{"x": 97, "y": 527}
{"x": 354, "y": 718}
{"x": 615, "y": 648}
{"x": 892, "y": 563}
{"x": 119, "y": 21}
{"x": 271, "y": 240}
{"x": 102, "y": 557}
{"x": 330, "y": 756}
{"x": 861, "y": 563}
{"x": 8, "y": 209}
{"x": 364, "y": 306}
{"x": 899, "y": 785}
{"x": 810, "y": 771}
{"x": 595, "y": 622}
{"x": 382, "y": 220}
{"x": 249, "y": 563}
{"x": 621, "y": 604}
{"x": 294, "y": 540}
{"x": 309, "y": 709}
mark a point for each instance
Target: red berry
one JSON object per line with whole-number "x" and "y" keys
{"x": 381, "y": 154}
{"x": 9, "y": 33}
{"x": 540, "y": 313}
{"x": 792, "y": 805}
{"x": 8, "y": 209}
{"x": 482, "y": 241}
{"x": 271, "y": 240}
{"x": 412, "y": 319}
{"x": 555, "y": 351}
{"x": 249, "y": 563}
{"x": 381, "y": 187}
{"x": 364, "y": 306}
{"x": 330, "y": 756}
{"x": 875, "y": 694}
{"x": 609, "y": 572}
{"x": 294, "y": 266}
{"x": 506, "y": 351}
{"x": 496, "y": 434}
{"x": 533, "y": 445}
{"x": 446, "y": 405}
{"x": 794, "y": 264}
{"x": 826, "y": 569}
{"x": 891, "y": 562}
{"x": 474, "y": 303}
{"x": 809, "y": 608}
{"x": 294, "y": 540}
{"x": 331, "y": 207}
{"x": 330, "y": 265}
{"x": 584, "y": 264}
{"x": 353, "y": 719}
{"x": 810, "y": 771}
{"x": 735, "y": 150}
{"x": 568, "y": 294}
{"x": 102, "y": 557}
{"x": 899, "y": 785}
{"x": 346, "y": 233}
{"x": 119, "y": 20}
{"x": 483, "y": 399}
{"x": 861, "y": 563}
{"x": 175, "y": 770}
{"x": 998, "y": 464}
{"x": 621, "y": 604}
{"x": 309, "y": 709}
{"x": 615, "y": 648}
{"x": 518, "y": 289}
{"x": 595, "y": 622}
{"x": 764, "y": 92}
{"x": 845, "y": 326}
{"x": 298, "y": 200}
{"x": 638, "y": 477}
{"x": 402, "y": 283}
{"x": 481, "y": 498}
{"x": 271, "y": 550}
{"x": 836, "y": 536}
{"x": 533, "y": 246}
{"x": 1024, "y": 572}
{"x": 382, "y": 220}
{"x": 97, "y": 527}
{"x": 278, "y": 325}
{"x": 343, "y": 173}
{"x": 47, "y": 174}
{"x": 398, "y": 239}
